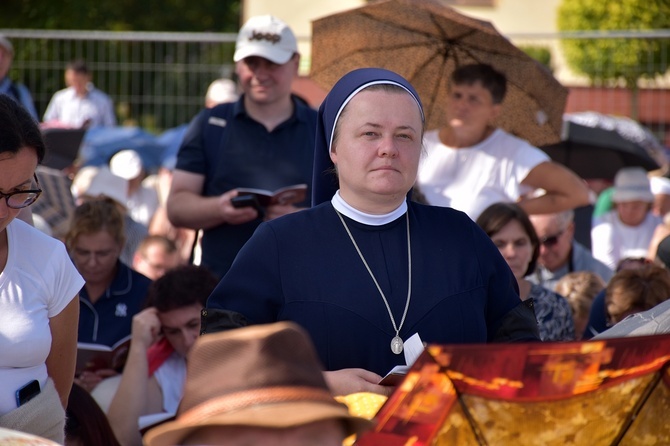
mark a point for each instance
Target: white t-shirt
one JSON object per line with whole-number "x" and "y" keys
{"x": 37, "y": 283}
{"x": 472, "y": 178}
{"x": 170, "y": 376}
{"x": 611, "y": 240}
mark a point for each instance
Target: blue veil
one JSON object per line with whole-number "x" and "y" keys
{"x": 324, "y": 182}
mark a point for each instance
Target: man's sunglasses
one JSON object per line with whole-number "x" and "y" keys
{"x": 551, "y": 240}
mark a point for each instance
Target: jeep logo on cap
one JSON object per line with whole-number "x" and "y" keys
{"x": 270, "y": 37}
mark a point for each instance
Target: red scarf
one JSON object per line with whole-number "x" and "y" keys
{"x": 157, "y": 354}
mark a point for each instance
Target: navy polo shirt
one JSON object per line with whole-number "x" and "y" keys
{"x": 233, "y": 150}
{"x": 110, "y": 318}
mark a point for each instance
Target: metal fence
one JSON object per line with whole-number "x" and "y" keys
{"x": 158, "y": 80}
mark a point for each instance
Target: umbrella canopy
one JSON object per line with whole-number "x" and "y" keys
{"x": 424, "y": 41}
{"x": 101, "y": 143}
{"x": 594, "y": 152}
{"x": 608, "y": 392}
{"x": 627, "y": 128}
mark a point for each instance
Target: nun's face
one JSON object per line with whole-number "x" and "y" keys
{"x": 377, "y": 149}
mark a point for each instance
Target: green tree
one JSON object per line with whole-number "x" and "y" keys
{"x": 122, "y": 15}
{"x": 611, "y": 61}
{"x": 540, "y": 53}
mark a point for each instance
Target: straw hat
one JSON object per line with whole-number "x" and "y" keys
{"x": 262, "y": 375}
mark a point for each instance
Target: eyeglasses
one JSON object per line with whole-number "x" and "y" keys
{"x": 551, "y": 240}
{"x": 22, "y": 198}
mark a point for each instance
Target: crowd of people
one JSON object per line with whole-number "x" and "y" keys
{"x": 406, "y": 236}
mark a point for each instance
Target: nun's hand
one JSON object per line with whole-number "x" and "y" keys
{"x": 348, "y": 381}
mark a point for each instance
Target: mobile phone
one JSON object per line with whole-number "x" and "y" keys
{"x": 27, "y": 392}
{"x": 242, "y": 201}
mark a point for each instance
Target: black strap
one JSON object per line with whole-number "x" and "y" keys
{"x": 214, "y": 320}
{"x": 519, "y": 324}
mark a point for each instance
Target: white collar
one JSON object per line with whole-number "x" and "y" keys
{"x": 346, "y": 209}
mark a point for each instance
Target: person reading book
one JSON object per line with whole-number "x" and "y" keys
{"x": 113, "y": 292}
{"x": 162, "y": 335}
{"x": 365, "y": 269}
{"x": 94, "y": 357}
{"x": 265, "y": 140}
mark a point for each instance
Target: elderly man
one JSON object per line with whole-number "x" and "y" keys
{"x": 14, "y": 90}
{"x": 265, "y": 140}
{"x": 560, "y": 254}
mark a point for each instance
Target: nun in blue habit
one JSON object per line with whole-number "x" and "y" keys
{"x": 365, "y": 268}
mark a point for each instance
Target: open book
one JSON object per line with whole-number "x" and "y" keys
{"x": 412, "y": 350}
{"x": 285, "y": 195}
{"x": 92, "y": 357}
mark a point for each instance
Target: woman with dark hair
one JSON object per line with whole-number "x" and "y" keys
{"x": 513, "y": 233}
{"x": 39, "y": 286}
{"x": 86, "y": 422}
{"x": 365, "y": 269}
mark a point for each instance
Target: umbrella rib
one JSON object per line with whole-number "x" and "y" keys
{"x": 639, "y": 404}
{"x": 479, "y": 436}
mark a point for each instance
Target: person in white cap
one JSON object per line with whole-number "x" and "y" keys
{"x": 626, "y": 230}
{"x": 265, "y": 140}
{"x": 142, "y": 200}
{"x": 14, "y": 90}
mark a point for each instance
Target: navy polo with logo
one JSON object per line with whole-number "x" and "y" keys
{"x": 110, "y": 318}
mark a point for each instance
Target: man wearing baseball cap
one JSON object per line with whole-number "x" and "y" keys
{"x": 15, "y": 90}
{"x": 264, "y": 140}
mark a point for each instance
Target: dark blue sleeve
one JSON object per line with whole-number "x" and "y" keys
{"x": 597, "y": 317}
{"x": 191, "y": 155}
{"x": 252, "y": 285}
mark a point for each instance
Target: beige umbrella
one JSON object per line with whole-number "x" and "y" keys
{"x": 424, "y": 41}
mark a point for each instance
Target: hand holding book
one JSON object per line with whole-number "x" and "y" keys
{"x": 261, "y": 198}
{"x": 94, "y": 357}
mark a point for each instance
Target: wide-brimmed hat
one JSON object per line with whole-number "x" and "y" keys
{"x": 268, "y": 37}
{"x": 632, "y": 184}
{"x": 263, "y": 375}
